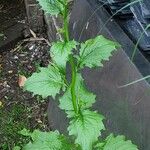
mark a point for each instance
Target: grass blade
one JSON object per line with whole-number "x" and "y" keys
{"x": 126, "y": 6}
{"x": 134, "y": 82}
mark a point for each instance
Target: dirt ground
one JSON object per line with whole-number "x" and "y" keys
{"x": 19, "y": 109}
{"x": 11, "y": 12}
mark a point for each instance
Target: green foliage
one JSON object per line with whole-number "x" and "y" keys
{"x": 116, "y": 143}
{"x": 60, "y": 52}
{"x": 47, "y": 82}
{"x": 25, "y": 132}
{"x": 12, "y": 119}
{"x": 46, "y": 141}
{"x": 53, "y": 7}
{"x": 16, "y": 148}
{"x": 87, "y": 125}
{"x": 94, "y": 51}
{"x": 84, "y": 98}
{"x": 86, "y": 128}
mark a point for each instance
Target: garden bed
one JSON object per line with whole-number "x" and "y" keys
{"x": 12, "y": 20}
{"x": 19, "y": 109}
{"x": 11, "y": 13}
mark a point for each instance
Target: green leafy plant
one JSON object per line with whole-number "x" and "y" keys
{"x": 85, "y": 125}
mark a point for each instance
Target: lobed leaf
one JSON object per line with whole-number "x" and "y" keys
{"x": 94, "y": 51}
{"x": 85, "y": 99}
{"x": 53, "y": 7}
{"x": 116, "y": 143}
{"x": 86, "y": 128}
{"x": 60, "y": 52}
{"x": 47, "y": 82}
{"x": 47, "y": 141}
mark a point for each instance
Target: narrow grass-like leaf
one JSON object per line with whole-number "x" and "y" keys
{"x": 124, "y": 7}
{"x": 137, "y": 43}
{"x": 134, "y": 82}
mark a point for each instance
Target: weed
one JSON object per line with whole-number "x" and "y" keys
{"x": 13, "y": 119}
{"x": 85, "y": 126}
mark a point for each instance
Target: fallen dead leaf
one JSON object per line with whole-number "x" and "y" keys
{"x": 22, "y": 80}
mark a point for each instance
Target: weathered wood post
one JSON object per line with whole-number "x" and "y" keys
{"x": 37, "y": 20}
{"x": 35, "y": 16}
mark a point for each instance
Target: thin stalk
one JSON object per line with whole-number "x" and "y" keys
{"x": 73, "y": 82}
{"x": 66, "y": 29}
{"x": 66, "y": 24}
{"x": 136, "y": 46}
{"x": 73, "y": 67}
{"x": 126, "y": 6}
{"x": 136, "y": 81}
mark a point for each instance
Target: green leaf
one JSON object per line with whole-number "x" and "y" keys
{"x": 85, "y": 99}
{"x": 25, "y": 132}
{"x": 53, "y": 7}
{"x": 94, "y": 51}
{"x": 47, "y": 82}
{"x": 47, "y": 141}
{"x": 37, "y": 146}
{"x": 116, "y": 143}
{"x": 60, "y": 52}
{"x": 86, "y": 128}
{"x": 16, "y": 148}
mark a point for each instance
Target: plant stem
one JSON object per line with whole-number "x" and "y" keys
{"x": 66, "y": 28}
{"x": 73, "y": 67}
{"x": 73, "y": 82}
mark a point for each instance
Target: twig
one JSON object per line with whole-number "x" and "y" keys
{"x": 18, "y": 47}
{"x": 37, "y": 39}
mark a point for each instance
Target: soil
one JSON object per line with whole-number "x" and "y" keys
{"x": 20, "y": 109}
{"x": 11, "y": 12}
{"x": 24, "y": 59}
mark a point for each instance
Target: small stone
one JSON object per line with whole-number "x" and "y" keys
{"x": 5, "y": 84}
{"x": 15, "y": 57}
{"x": 11, "y": 71}
{"x": 31, "y": 47}
{"x": 39, "y": 121}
